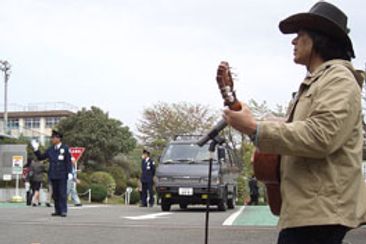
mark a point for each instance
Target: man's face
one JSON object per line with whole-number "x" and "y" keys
{"x": 55, "y": 140}
{"x": 303, "y": 46}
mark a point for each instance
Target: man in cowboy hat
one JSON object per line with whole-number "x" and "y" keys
{"x": 323, "y": 194}
{"x": 60, "y": 170}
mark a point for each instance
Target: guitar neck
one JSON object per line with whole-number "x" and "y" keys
{"x": 236, "y": 105}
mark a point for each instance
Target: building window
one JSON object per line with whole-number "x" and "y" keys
{"x": 52, "y": 121}
{"x": 13, "y": 124}
{"x": 32, "y": 123}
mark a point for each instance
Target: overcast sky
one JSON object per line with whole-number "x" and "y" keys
{"x": 124, "y": 55}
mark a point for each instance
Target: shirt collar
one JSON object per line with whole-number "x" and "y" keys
{"x": 58, "y": 146}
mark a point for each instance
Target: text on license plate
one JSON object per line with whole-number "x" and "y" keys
{"x": 186, "y": 191}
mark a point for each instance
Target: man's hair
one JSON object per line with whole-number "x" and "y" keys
{"x": 327, "y": 47}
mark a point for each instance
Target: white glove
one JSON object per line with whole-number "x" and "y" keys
{"x": 35, "y": 145}
{"x": 70, "y": 176}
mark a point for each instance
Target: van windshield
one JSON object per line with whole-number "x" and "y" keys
{"x": 186, "y": 153}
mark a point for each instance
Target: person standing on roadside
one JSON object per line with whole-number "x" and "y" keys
{"x": 60, "y": 170}
{"x": 254, "y": 191}
{"x": 36, "y": 178}
{"x": 147, "y": 179}
{"x": 71, "y": 186}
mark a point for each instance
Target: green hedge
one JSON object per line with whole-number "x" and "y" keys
{"x": 82, "y": 187}
{"x": 98, "y": 192}
{"x": 120, "y": 178}
{"x": 105, "y": 179}
{"x": 135, "y": 197}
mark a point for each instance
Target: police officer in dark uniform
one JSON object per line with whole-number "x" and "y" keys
{"x": 147, "y": 179}
{"x": 60, "y": 169}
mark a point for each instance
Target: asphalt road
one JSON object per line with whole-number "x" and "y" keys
{"x": 131, "y": 225}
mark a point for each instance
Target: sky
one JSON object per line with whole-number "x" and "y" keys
{"x": 125, "y": 55}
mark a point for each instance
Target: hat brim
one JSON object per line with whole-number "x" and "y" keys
{"x": 309, "y": 21}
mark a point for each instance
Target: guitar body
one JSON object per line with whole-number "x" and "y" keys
{"x": 266, "y": 168}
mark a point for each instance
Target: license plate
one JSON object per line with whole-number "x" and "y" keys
{"x": 186, "y": 191}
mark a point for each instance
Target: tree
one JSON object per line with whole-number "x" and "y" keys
{"x": 102, "y": 136}
{"x": 161, "y": 122}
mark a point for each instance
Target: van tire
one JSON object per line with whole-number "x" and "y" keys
{"x": 222, "y": 205}
{"x": 231, "y": 204}
{"x": 183, "y": 205}
{"x": 165, "y": 205}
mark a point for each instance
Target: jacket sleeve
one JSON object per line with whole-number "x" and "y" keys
{"x": 68, "y": 160}
{"x": 41, "y": 156}
{"x": 336, "y": 109}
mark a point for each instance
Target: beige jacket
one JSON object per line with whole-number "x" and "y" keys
{"x": 321, "y": 148}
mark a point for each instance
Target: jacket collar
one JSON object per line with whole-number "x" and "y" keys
{"x": 311, "y": 77}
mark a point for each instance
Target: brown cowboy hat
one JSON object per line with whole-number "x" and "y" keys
{"x": 323, "y": 17}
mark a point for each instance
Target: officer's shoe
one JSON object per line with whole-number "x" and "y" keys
{"x": 78, "y": 205}
{"x": 48, "y": 205}
{"x": 63, "y": 215}
{"x": 55, "y": 214}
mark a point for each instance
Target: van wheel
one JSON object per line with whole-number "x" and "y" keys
{"x": 183, "y": 205}
{"x": 231, "y": 204}
{"x": 165, "y": 205}
{"x": 222, "y": 205}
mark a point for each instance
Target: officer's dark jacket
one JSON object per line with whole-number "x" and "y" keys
{"x": 59, "y": 161}
{"x": 148, "y": 170}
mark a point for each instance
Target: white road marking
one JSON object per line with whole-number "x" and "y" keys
{"x": 88, "y": 206}
{"x": 230, "y": 220}
{"x": 148, "y": 216}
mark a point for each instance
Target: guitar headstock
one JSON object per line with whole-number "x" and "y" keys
{"x": 226, "y": 85}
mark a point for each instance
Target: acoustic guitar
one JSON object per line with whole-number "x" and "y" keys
{"x": 266, "y": 166}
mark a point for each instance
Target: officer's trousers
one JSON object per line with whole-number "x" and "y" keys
{"x": 59, "y": 188}
{"x": 147, "y": 187}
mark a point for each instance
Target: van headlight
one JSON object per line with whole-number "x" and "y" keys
{"x": 164, "y": 179}
{"x": 214, "y": 180}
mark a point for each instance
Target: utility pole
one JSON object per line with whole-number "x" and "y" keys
{"x": 5, "y": 67}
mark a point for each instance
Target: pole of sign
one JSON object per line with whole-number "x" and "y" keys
{"x": 17, "y": 185}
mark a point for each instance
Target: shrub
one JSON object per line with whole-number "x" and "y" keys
{"x": 85, "y": 177}
{"x": 135, "y": 197}
{"x": 133, "y": 182}
{"x": 120, "y": 178}
{"x": 82, "y": 187}
{"x": 99, "y": 192}
{"x": 104, "y": 179}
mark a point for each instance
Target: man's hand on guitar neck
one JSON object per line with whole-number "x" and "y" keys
{"x": 242, "y": 120}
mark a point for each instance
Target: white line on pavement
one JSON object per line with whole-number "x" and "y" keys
{"x": 230, "y": 220}
{"x": 88, "y": 206}
{"x": 148, "y": 216}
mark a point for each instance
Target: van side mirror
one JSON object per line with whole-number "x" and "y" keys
{"x": 221, "y": 154}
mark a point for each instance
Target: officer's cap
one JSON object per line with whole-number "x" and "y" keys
{"x": 57, "y": 134}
